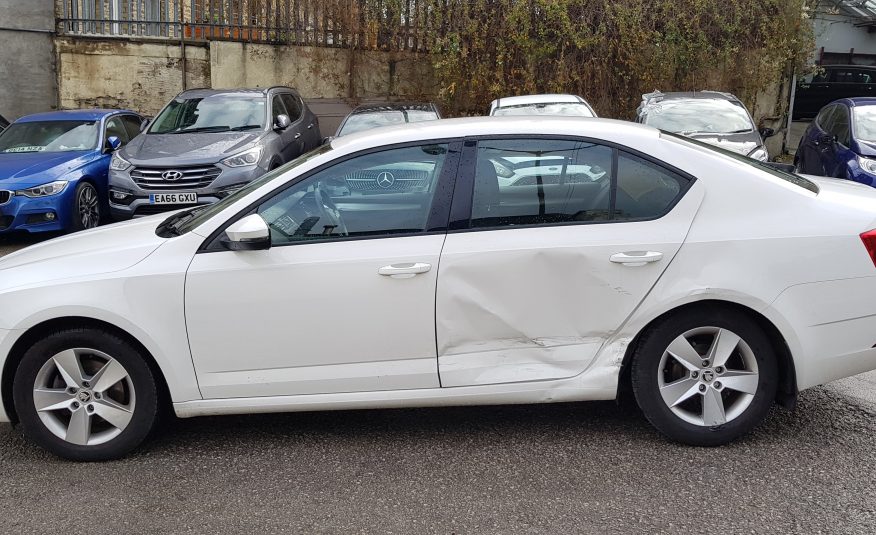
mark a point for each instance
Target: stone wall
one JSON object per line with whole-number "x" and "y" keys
{"x": 139, "y": 75}
{"x": 27, "y": 60}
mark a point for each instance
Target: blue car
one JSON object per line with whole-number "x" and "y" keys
{"x": 53, "y": 168}
{"x": 841, "y": 142}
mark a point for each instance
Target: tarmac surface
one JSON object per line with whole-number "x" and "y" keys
{"x": 566, "y": 468}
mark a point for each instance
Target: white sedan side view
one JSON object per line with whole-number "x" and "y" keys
{"x": 410, "y": 267}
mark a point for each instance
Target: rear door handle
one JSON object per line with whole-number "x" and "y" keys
{"x": 404, "y": 271}
{"x": 636, "y": 258}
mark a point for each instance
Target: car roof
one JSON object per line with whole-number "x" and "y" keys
{"x": 545, "y": 98}
{"x": 658, "y": 96}
{"x": 491, "y": 126}
{"x": 251, "y": 91}
{"x": 71, "y": 115}
{"x": 859, "y": 101}
{"x": 393, "y": 106}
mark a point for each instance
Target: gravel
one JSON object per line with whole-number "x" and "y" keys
{"x": 579, "y": 467}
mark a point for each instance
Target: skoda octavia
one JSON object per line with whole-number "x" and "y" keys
{"x": 411, "y": 266}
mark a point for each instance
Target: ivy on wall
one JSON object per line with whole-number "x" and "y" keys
{"x": 613, "y": 51}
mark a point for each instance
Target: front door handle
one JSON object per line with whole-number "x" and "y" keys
{"x": 310, "y": 126}
{"x": 404, "y": 271}
{"x": 636, "y": 258}
{"x": 297, "y": 135}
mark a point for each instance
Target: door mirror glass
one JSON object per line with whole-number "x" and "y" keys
{"x": 113, "y": 143}
{"x": 248, "y": 234}
{"x": 767, "y": 132}
{"x": 282, "y": 122}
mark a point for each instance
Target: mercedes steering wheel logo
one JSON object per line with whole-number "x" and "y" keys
{"x": 385, "y": 180}
{"x": 172, "y": 175}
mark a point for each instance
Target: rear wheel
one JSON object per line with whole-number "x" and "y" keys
{"x": 705, "y": 377}
{"x": 86, "y": 207}
{"x": 85, "y": 395}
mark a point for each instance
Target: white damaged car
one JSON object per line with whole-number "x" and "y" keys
{"x": 404, "y": 267}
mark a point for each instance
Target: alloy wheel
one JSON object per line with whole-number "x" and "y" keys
{"x": 708, "y": 376}
{"x": 84, "y": 396}
{"x": 89, "y": 207}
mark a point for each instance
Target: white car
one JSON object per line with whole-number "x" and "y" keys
{"x": 542, "y": 105}
{"x": 395, "y": 269}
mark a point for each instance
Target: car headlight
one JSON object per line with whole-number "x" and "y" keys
{"x": 117, "y": 163}
{"x": 867, "y": 164}
{"x": 52, "y": 188}
{"x": 759, "y": 153}
{"x": 249, "y": 157}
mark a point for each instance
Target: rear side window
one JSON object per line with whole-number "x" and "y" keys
{"x": 549, "y": 181}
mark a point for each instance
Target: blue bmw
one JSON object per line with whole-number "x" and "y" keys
{"x": 53, "y": 168}
{"x": 841, "y": 141}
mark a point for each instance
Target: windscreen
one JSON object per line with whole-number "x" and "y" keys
{"x": 698, "y": 116}
{"x": 50, "y": 136}
{"x": 213, "y": 113}
{"x": 571, "y": 109}
{"x": 864, "y": 120}
{"x": 365, "y": 121}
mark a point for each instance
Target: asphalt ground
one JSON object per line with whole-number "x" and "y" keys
{"x": 565, "y": 468}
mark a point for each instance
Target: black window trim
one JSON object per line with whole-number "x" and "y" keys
{"x": 439, "y": 211}
{"x": 460, "y": 209}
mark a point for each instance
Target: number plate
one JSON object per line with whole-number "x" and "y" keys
{"x": 173, "y": 198}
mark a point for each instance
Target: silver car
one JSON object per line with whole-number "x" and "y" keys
{"x": 206, "y": 144}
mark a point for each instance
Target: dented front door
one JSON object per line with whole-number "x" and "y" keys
{"x": 536, "y": 303}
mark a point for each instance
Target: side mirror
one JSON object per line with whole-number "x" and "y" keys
{"x": 827, "y": 139}
{"x": 248, "y": 234}
{"x": 144, "y": 124}
{"x": 766, "y": 132}
{"x": 282, "y": 122}
{"x": 113, "y": 143}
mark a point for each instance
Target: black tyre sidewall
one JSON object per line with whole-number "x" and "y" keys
{"x": 77, "y": 220}
{"x": 645, "y": 369}
{"x": 145, "y": 409}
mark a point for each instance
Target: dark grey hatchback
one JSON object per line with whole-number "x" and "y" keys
{"x": 207, "y": 143}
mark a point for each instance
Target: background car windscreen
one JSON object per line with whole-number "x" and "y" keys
{"x": 573, "y": 109}
{"x": 365, "y": 121}
{"x": 693, "y": 116}
{"x": 50, "y": 136}
{"x": 214, "y": 113}
{"x": 864, "y": 120}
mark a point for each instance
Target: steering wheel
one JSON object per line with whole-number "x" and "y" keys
{"x": 329, "y": 211}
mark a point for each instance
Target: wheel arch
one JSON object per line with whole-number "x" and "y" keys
{"x": 786, "y": 394}
{"x": 31, "y": 335}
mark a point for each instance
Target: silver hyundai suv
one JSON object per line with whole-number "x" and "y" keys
{"x": 205, "y": 144}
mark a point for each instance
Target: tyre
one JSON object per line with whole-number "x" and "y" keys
{"x": 85, "y": 395}
{"x": 86, "y": 207}
{"x": 705, "y": 377}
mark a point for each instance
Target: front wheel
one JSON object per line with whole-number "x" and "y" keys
{"x": 85, "y": 395}
{"x": 705, "y": 377}
{"x": 86, "y": 207}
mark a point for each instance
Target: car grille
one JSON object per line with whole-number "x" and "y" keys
{"x": 5, "y": 196}
{"x": 402, "y": 180}
{"x": 151, "y": 178}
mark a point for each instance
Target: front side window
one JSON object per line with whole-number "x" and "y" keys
{"x": 132, "y": 125}
{"x": 841, "y": 125}
{"x": 115, "y": 127}
{"x": 379, "y": 194}
{"x": 292, "y": 105}
{"x": 548, "y": 181}
{"x": 50, "y": 136}
{"x": 698, "y": 116}
{"x": 213, "y": 113}
{"x": 825, "y": 118}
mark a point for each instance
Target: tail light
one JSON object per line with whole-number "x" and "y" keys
{"x": 869, "y": 239}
